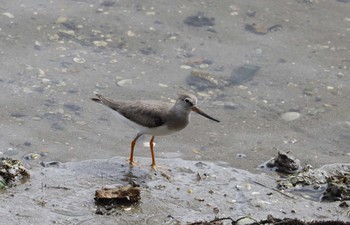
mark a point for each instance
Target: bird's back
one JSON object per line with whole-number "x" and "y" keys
{"x": 147, "y": 113}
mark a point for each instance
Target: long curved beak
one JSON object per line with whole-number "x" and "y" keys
{"x": 197, "y": 110}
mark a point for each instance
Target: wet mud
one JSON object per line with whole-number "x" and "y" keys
{"x": 182, "y": 191}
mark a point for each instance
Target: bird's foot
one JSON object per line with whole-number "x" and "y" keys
{"x": 132, "y": 163}
{"x": 154, "y": 167}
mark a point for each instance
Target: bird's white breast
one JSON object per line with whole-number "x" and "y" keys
{"x": 157, "y": 131}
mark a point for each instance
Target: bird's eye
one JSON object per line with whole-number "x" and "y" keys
{"x": 188, "y": 101}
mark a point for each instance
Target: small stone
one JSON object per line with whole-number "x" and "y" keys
{"x": 18, "y": 115}
{"x": 9, "y": 15}
{"x": 41, "y": 73}
{"x": 186, "y": 67}
{"x": 245, "y": 220}
{"x": 290, "y": 116}
{"x": 100, "y": 43}
{"x": 124, "y": 82}
{"x": 163, "y": 85}
{"x": 36, "y": 118}
{"x": 61, "y": 19}
{"x": 45, "y": 81}
{"x": 37, "y": 45}
{"x": 203, "y": 66}
{"x": 131, "y": 33}
{"x": 79, "y": 60}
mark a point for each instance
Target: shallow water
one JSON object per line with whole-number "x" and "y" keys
{"x": 55, "y": 55}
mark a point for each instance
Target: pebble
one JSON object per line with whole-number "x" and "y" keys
{"x": 61, "y": 19}
{"x": 100, "y": 43}
{"x": 17, "y": 115}
{"x": 79, "y": 60}
{"x": 9, "y": 15}
{"x": 186, "y": 67}
{"x": 203, "y": 66}
{"x": 45, "y": 81}
{"x": 41, "y": 73}
{"x": 163, "y": 85}
{"x": 131, "y": 33}
{"x": 245, "y": 220}
{"x": 290, "y": 116}
{"x": 124, "y": 82}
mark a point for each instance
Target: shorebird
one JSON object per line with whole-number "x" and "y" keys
{"x": 154, "y": 118}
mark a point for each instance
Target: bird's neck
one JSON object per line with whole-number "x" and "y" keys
{"x": 180, "y": 112}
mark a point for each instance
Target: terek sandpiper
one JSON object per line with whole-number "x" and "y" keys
{"x": 155, "y": 118}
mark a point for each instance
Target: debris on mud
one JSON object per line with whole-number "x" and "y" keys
{"x": 328, "y": 183}
{"x": 11, "y": 172}
{"x": 202, "y": 80}
{"x": 108, "y": 199}
{"x": 270, "y": 220}
{"x": 284, "y": 163}
{"x": 261, "y": 28}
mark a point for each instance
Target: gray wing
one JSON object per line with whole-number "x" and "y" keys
{"x": 147, "y": 113}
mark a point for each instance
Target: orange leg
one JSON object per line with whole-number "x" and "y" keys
{"x": 133, "y": 143}
{"x": 152, "y": 153}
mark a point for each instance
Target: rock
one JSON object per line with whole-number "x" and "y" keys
{"x": 290, "y": 116}
{"x": 243, "y": 74}
{"x": 199, "y": 20}
{"x": 124, "y": 82}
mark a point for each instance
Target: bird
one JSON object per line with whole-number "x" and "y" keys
{"x": 155, "y": 118}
